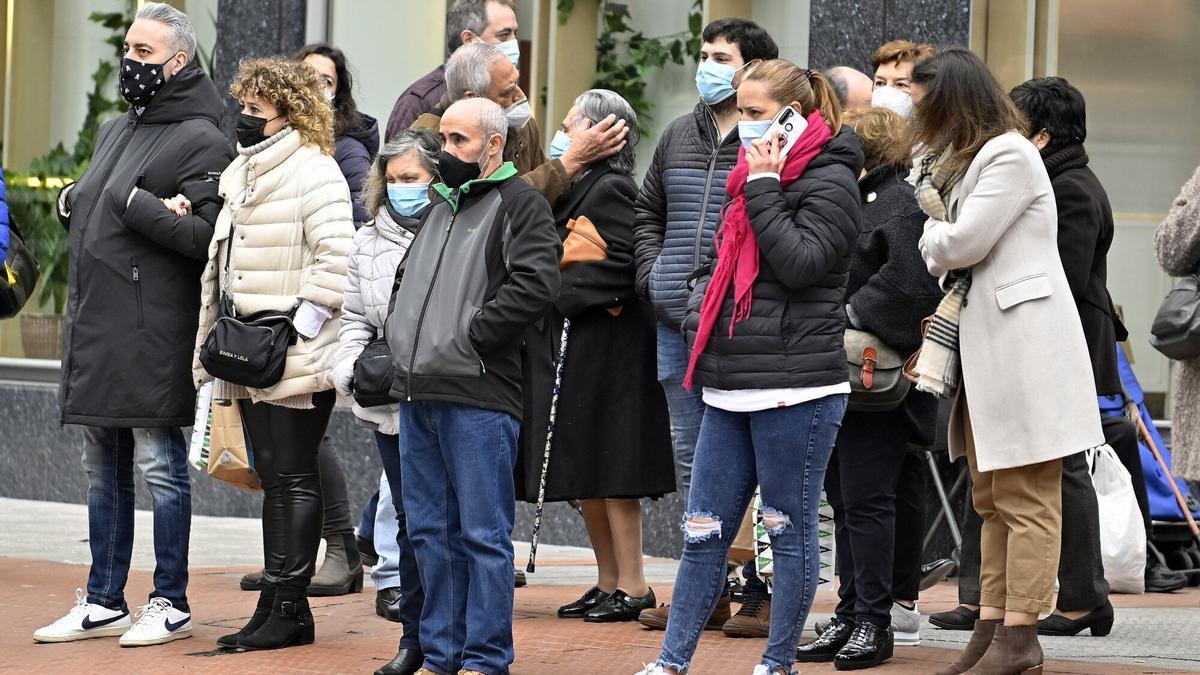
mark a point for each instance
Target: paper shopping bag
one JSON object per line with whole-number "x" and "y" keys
{"x": 230, "y": 459}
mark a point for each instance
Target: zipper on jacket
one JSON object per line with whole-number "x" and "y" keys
{"x": 712, "y": 165}
{"x": 137, "y": 291}
{"x": 412, "y": 362}
{"x": 68, "y": 348}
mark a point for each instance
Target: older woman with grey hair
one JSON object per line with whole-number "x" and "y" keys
{"x": 612, "y": 442}
{"x": 396, "y": 191}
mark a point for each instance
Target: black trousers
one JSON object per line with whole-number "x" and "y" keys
{"x": 1081, "y": 583}
{"x": 336, "y": 516}
{"x": 910, "y": 527}
{"x": 286, "y": 443}
{"x": 860, "y": 484}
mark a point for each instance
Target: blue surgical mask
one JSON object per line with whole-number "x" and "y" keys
{"x": 408, "y": 198}
{"x": 512, "y": 50}
{"x": 715, "y": 81}
{"x": 750, "y": 131}
{"x": 559, "y": 144}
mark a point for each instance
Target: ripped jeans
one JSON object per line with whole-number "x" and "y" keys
{"x": 785, "y": 450}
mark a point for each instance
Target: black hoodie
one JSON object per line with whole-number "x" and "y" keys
{"x": 134, "y": 293}
{"x": 353, "y": 151}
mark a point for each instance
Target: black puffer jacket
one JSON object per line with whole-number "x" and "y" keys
{"x": 353, "y": 152}
{"x": 679, "y": 207}
{"x": 806, "y": 232}
{"x": 134, "y": 295}
{"x": 890, "y": 291}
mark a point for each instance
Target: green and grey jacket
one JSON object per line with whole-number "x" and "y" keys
{"x": 483, "y": 268}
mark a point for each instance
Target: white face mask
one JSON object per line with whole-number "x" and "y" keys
{"x": 512, "y": 50}
{"x": 518, "y": 114}
{"x": 893, "y": 99}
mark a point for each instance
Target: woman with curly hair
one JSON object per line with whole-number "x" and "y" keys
{"x": 280, "y": 244}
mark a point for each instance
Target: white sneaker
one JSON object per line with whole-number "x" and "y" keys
{"x": 651, "y": 669}
{"x": 906, "y": 625}
{"x": 761, "y": 669}
{"x": 158, "y": 623}
{"x": 85, "y": 621}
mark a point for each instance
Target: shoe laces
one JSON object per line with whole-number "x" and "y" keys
{"x": 752, "y": 604}
{"x": 78, "y": 611}
{"x": 863, "y": 635}
{"x": 155, "y": 609}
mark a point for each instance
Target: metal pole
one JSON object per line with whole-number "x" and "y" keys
{"x": 941, "y": 490}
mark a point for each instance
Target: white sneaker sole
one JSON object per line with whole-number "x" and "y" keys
{"x": 106, "y": 631}
{"x": 161, "y": 640}
{"x": 902, "y": 639}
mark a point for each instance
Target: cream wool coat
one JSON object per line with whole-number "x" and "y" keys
{"x": 287, "y": 212}
{"x": 1026, "y": 370}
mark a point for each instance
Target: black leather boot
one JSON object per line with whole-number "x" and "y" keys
{"x": 266, "y": 598}
{"x": 290, "y": 623}
{"x": 828, "y": 644}
{"x": 407, "y": 662}
{"x": 869, "y": 646}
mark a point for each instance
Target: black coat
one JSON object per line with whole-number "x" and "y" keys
{"x": 134, "y": 294}
{"x": 612, "y": 436}
{"x": 806, "y": 232}
{"x": 1085, "y": 233}
{"x": 889, "y": 290}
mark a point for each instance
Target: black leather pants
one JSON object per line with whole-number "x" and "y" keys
{"x": 285, "y": 443}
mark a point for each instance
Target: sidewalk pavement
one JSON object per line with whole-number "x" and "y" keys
{"x": 43, "y": 556}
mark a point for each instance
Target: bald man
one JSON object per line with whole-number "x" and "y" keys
{"x": 853, "y": 87}
{"x": 482, "y": 269}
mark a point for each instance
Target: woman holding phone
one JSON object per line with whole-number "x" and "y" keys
{"x": 765, "y": 324}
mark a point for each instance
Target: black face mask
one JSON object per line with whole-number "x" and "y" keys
{"x": 455, "y": 172}
{"x": 141, "y": 81}
{"x": 250, "y": 129}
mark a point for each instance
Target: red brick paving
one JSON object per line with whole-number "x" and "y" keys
{"x": 351, "y": 639}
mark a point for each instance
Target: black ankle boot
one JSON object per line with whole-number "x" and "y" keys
{"x": 266, "y": 598}
{"x": 290, "y": 623}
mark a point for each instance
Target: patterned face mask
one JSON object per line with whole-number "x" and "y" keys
{"x": 141, "y": 81}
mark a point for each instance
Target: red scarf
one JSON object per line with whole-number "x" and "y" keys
{"x": 737, "y": 247}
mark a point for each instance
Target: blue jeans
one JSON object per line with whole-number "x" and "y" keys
{"x": 458, "y": 490}
{"x": 384, "y": 530}
{"x": 687, "y": 409}
{"x": 161, "y": 455}
{"x": 784, "y": 450}
{"x": 413, "y": 599}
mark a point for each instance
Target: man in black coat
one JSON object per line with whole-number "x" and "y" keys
{"x": 140, "y": 220}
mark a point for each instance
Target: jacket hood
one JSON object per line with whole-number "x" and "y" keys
{"x": 365, "y": 131}
{"x": 391, "y": 224}
{"x": 189, "y": 94}
{"x": 845, "y": 148}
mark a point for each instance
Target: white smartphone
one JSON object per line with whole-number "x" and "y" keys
{"x": 786, "y": 128}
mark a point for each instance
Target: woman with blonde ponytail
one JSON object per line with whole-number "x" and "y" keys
{"x": 765, "y": 325}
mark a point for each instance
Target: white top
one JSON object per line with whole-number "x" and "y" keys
{"x": 755, "y": 400}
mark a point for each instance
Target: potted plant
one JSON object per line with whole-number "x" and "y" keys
{"x": 32, "y": 197}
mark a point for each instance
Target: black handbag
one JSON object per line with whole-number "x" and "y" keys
{"x": 374, "y": 372}
{"x": 249, "y": 350}
{"x": 20, "y": 273}
{"x": 877, "y": 381}
{"x": 1176, "y": 328}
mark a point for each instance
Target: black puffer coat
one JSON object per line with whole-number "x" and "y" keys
{"x": 806, "y": 232}
{"x": 134, "y": 295}
{"x": 354, "y": 151}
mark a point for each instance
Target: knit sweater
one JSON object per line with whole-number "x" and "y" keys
{"x": 1177, "y": 246}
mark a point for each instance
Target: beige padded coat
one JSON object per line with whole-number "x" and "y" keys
{"x": 287, "y": 213}
{"x": 1177, "y": 246}
{"x": 1026, "y": 369}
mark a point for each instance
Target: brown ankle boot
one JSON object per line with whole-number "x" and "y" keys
{"x": 1014, "y": 650}
{"x": 981, "y": 639}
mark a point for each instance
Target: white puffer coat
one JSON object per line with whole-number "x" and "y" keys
{"x": 374, "y": 257}
{"x": 287, "y": 214}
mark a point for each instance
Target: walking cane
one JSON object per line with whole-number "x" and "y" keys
{"x": 1187, "y": 513}
{"x": 541, "y": 501}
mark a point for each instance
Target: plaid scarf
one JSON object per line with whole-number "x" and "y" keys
{"x": 939, "y": 370}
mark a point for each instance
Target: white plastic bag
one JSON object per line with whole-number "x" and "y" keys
{"x": 1122, "y": 533}
{"x": 201, "y": 428}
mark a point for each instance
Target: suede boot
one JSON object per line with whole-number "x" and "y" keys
{"x": 290, "y": 623}
{"x": 342, "y": 570}
{"x": 1015, "y": 650}
{"x": 266, "y": 598}
{"x": 981, "y": 639}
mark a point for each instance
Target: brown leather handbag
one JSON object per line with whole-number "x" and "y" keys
{"x": 877, "y": 381}
{"x": 584, "y": 244}
{"x": 910, "y": 366}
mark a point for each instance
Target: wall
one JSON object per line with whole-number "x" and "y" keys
{"x": 847, "y": 32}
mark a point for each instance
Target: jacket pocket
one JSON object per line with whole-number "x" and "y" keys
{"x": 135, "y": 273}
{"x": 1028, "y": 288}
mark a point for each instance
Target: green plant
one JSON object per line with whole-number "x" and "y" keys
{"x": 624, "y": 56}
{"x": 32, "y": 194}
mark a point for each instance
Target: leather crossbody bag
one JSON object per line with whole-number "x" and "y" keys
{"x": 374, "y": 371}
{"x": 877, "y": 381}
